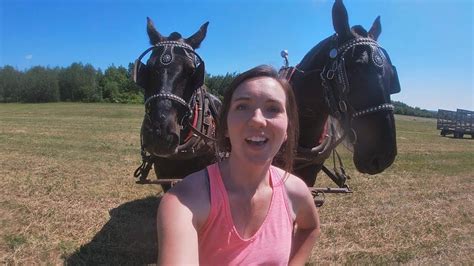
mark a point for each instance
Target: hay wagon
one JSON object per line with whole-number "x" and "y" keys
{"x": 458, "y": 123}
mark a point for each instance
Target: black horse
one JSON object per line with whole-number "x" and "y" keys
{"x": 177, "y": 134}
{"x": 349, "y": 77}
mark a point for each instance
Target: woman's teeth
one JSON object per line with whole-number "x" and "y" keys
{"x": 256, "y": 140}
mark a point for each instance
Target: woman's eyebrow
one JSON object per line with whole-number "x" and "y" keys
{"x": 248, "y": 98}
{"x": 274, "y": 101}
{"x": 242, "y": 98}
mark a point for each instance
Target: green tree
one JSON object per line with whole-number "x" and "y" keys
{"x": 79, "y": 83}
{"x": 218, "y": 84}
{"x": 10, "y": 84}
{"x": 404, "y": 109}
{"x": 40, "y": 85}
{"x": 117, "y": 86}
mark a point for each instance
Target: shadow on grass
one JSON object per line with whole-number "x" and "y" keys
{"x": 128, "y": 238}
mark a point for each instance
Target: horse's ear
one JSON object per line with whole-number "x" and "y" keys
{"x": 197, "y": 37}
{"x": 376, "y": 29}
{"x": 340, "y": 20}
{"x": 153, "y": 34}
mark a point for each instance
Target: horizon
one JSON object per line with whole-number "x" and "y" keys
{"x": 434, "y": 64}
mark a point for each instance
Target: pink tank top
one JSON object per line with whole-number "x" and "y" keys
{"x": 221, "y": 244}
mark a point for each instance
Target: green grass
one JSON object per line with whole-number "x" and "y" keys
{"x": 67, "y": 194}
{"x": 14, "y": 241}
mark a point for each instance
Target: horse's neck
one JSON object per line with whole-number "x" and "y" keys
{"x": 312, "y": 108}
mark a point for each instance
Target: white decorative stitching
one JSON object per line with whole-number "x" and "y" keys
{"x": 382, "y": 107}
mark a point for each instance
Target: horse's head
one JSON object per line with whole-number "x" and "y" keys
{"x": 362, "y": 78}
{"x": 170, "y": 77}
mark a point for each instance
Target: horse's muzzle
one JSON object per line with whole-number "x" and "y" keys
{"x": 376, "y": 163}
{"x": 159, "y": 144}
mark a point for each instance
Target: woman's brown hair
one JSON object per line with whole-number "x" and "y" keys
{"x": 286, "y": 154}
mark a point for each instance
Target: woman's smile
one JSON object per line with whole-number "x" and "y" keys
{"x": 257, "y": 140}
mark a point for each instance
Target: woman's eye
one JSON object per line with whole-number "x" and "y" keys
{"x": 241, "y": 107}
{"x": 274, "y": 109}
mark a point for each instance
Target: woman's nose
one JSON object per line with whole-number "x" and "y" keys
{"x": 257, "y": 119}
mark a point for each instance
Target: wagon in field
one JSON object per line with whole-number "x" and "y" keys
{"x": 458, "y": 123}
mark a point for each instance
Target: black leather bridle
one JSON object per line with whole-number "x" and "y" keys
{"x": 336, "y": 88}
{"x": 142, "y": 71}
{"x": 200, "y": 105}
{"x": 336, "y": 84}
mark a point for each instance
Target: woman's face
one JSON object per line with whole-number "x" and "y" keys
{"x": 257, "y": 120}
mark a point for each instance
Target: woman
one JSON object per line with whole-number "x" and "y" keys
{"x": 243, "y": 210}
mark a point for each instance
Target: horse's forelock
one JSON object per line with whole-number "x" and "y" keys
{"x": 175, "y": 36}
{"x": 359, "y": 30}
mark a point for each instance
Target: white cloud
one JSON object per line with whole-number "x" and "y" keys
{"x": 28, "y": 56}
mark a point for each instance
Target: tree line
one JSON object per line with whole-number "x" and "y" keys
{"x": 84, "y": 83}
{"x": 404, "y": 109}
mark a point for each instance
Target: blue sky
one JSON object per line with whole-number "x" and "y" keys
{"x": 430, "y": 41}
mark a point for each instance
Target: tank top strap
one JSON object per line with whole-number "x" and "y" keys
{"x": 217, "y": 187}
{"x": 216, "y": 197}
{"x": 277, "y": 177}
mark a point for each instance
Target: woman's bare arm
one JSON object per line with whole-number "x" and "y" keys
{"x": 181, "y": 213}
{"x": 177, "y": 237}
{"x": 307, "y": 228}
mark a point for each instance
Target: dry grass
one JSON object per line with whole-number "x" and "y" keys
{"x": 67, "y": 194}
{"x": 419, "y": 211}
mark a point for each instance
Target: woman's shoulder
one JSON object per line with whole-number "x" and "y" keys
{"x": 191, "y": 185}
{"x": 293, "y": 184}
{"x": 296, "y": 189}
{"x": 190, "y": 195}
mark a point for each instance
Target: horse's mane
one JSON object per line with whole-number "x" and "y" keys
{"x": 316, "y": 50}
{"x": 337, "y": 130}
{"x": 358, "y": 30}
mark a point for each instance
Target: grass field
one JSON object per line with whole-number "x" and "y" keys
{"x": 67, "y": 194}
